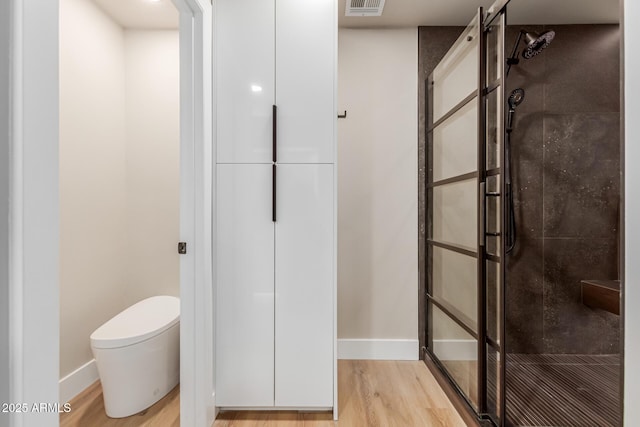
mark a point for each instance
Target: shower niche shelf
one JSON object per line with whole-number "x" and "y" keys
{"x": 602, "y": 294}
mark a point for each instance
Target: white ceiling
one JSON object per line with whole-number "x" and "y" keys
{"x": 144, "y": 14}
{"x": 412, "y": 13}
{"x": 141, "y": 14}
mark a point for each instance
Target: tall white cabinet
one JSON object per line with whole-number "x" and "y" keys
{"x": 275, "y": 208}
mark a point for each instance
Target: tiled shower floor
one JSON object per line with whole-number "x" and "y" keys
{"x": 563, "y": 390}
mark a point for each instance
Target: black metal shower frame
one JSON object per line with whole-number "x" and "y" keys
{"x": 484, "y": 417}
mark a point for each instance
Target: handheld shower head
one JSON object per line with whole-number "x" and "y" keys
{"x": 516, "y": 98}
{"x": 536, "y": 43}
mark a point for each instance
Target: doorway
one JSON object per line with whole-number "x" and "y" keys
{"x": 119, "y": 169}
{"x": 34, "y": 238}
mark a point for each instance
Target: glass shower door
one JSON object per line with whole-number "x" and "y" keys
{"x": 464, "y": 223}
{"x": 453, "y": 188}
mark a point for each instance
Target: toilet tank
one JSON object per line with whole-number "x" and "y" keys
{"x": 138, "y": 323}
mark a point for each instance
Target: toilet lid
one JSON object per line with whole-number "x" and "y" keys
{"x": 138, "y": 323}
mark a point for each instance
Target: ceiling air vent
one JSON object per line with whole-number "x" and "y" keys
{"x": 364, "y": 7}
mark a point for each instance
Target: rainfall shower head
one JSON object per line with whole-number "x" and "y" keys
{"x": 516, "y": 98}
{"x": 536, "y": 43}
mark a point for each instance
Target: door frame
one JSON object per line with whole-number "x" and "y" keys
{"x": 34, "y": 211}
{"x": 33, "y": 201}
{"x": 197, "y": 395}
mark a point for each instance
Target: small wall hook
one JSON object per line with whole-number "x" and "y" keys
{"x": 343, "y": 116}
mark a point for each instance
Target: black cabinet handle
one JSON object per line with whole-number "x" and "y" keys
{"x": 275, "y": 134}
{"x": 275, "y": 159}
{"x": 273, "y": 192}
{"x": 482, "y": 219}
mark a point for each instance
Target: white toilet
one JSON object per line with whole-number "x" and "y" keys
{"x": 138, "y": 355}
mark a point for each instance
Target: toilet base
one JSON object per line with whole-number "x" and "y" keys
{"x": 137, "y": 376}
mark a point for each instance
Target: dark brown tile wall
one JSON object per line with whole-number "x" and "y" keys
{"x": 566, "y": 173}
{"x": 566, "y": 167}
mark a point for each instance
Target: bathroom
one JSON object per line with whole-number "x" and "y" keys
{"x": 119, "y": 170}
{"x": 549, "y": 324}
{"x": 373, "y": 198}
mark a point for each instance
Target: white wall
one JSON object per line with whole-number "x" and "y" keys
{"x": 5, "y": 88}
{"x": 153, "y": 135}
{"x": 632, "y": 214}
{"x": 377, "y": 190}
{"x": 92, "y": 177}
{"x": 118, "y": 173}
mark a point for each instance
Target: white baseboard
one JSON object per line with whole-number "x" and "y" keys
{"x": 378, "y": 349}
{"x": 455, "y": 349}
{"x": 77, "y": 381}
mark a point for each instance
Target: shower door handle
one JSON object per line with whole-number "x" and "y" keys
{"x": 482, "y": 214}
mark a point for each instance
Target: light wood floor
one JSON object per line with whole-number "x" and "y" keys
{"x": 371, "y": 394}
{"x": 87, "y": 410}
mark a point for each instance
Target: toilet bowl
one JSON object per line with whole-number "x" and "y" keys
{"x": 138, "y": 356}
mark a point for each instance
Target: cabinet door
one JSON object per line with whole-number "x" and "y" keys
{"x": 304, "y": 286}
{"x": 245, "y": 78}
{"x": 244, "y": 297}
{"x": 305, "y": 80}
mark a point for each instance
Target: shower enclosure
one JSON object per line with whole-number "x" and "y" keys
{"x": 483, "y": 306}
